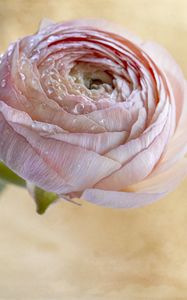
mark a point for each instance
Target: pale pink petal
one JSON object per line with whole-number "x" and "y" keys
{"x": 100, "y": 143}
{"x": 102, "y": 25}
{"x": 115, "y": 118}
{"x": 127, "y": 151}
{"x": 163, "y": 182}
{"x": 66, "y": 161}
{"x": 115, "y": 199}
{"x": 22, "y": 158}
{"x": 172, "y": 70}
{"x": 45, "y": 22}
{"x": 140, "y": 166}
{"x": 139, "y": 126}
{"x": 177, "y": 146}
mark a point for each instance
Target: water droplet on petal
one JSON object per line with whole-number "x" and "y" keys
{"x": 93, "y": 127}
{"x": 3, "y": 83}
{"x": 33, "y": 125}
{"x": 1, "y": 58}
{"x": 78, "y": 109}
{"x": 52, "y": 38}
{"x": 34, "y": 82}
{"x": 50, "y": 91}
{"x": 10, "y": 48}
{"x": 35, "y": 58}
{"x": 22, "y": 76}
{"x": 45, "y": 127}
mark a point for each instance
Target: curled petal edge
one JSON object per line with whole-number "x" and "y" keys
{"x": 114, "y": 199}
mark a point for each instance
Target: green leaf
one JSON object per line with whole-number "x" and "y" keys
{"x": 8, "y": 176}
{"x": 2, "y": 186}
{"x": 43, "y": 199}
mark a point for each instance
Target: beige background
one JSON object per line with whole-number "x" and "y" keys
{"x": 90, "y": 252}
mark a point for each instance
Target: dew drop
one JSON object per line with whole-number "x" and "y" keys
{"x": 34, "y": 81}
{"x": 52, "y": 39}
{"x": 22, "y": 76}
{"x": 45, "y": 127}
{"x": 10, "y": 48}
{"x": 50, "y": 91}
{"x": 3, "y": 83}
{"x": 93, "y": 127}
{"x": 1, "y": 58}
{"x": 33, "y": 125}
{"x": 35, "y": 58}
{"x": 79, "y": 108}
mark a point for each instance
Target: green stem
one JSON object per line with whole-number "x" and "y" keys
{"x": 8, "y": 176}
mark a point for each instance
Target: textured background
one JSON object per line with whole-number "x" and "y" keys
{"x": 90, "y": 252}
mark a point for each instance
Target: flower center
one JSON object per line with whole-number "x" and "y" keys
{"x": 95, "y": 84}
{"x": 92, "y": 78}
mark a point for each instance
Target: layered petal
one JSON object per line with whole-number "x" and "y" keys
{"x": 64, "y": 163}
{"x": 115, "y": 199}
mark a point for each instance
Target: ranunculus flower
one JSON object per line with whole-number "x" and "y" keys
{"x": 89, "y": 110}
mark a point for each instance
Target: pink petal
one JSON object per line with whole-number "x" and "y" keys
{"x": 177, "y": 146}
{"x": 100, "y": 143}
{"x": 101, "y": 25}
{"x": 163, "y": 182}
{"x": 172, "y": 70}
{"x": 140, "y": 166}
{"x": 119, "y": 199}
{"x": 139, "y": 126}
{"x": 63, "y": 163}
{"x": 115, "y": 118}
{"x": 127, "y": 151}
{"x": 45, "y": 22}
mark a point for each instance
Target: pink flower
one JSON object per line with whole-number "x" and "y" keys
{"x": 89, "y": 110}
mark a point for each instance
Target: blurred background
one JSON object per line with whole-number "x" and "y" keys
{"x": 91, "y": 252}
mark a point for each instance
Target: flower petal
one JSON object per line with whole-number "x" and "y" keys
{"x": 103, "y": 25}
{"x": 173, "y": 72}
{"x": 100, "y": 143}
{"x": 64, "y": 164}
{"x": 140, "y": 166}
{"x": 119, "y": 199}
{"x": 163, "y": 182}
{"x": 177, "y": 146}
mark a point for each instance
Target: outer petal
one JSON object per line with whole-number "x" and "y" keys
{"x": 127, "y": 151}
{"x": 100, "y": 24}
{"x": 100, "y": 143}
{"x": 53, "y": 165}
{"x": 116, "y": 118}
{"x": 177, "y": 146}
{"x": 163, "y": 182}
{"x": 140, "y": 166}
{"x": 45, "y": 23}
{"x": 173, "y": 72}
{"x": 119, "y": 199}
